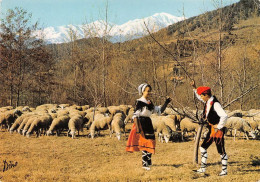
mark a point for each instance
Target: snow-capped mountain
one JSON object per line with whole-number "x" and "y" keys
{"x": 116, "y": 33}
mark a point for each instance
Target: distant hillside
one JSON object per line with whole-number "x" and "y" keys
{"x": 232, "y": 14}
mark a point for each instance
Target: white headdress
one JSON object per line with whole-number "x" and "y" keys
{"x": 141, "y": 88}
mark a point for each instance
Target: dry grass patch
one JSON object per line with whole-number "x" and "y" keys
{"x": 104, "y": 159}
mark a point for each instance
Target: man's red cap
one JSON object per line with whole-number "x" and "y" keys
{"x": 205, "y": 90}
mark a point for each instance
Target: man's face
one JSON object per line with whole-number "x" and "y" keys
{"x": 204, "y": 97}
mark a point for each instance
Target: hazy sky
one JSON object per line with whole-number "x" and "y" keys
{"x": 64, "y": 12}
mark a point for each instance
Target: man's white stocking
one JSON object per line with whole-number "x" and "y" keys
{"x": 204, "y": 156}
{"x": 224, "y": 159}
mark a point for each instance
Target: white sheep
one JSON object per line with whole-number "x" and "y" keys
{"x": 6, "y": 108}
{"x": 76, "y": 122}
{"x": 252, "y": 122}
{"x": 102, "y": 109}
{"x": 129, "y": 116}
{"x": 28, "y": 124}
{"x": 40, "y": 123}
{"x": 62, "y": 112}
{"x": 113, "y": 109}
{"x": 75, "y": 112}
{"x": 46, "y": 107}
{"x": 7, "y": 118}
{"x": 240, "y": 124}
{"x": 75, "y": 107}
{"x": 169, "y": 111}
{"x": 117, "y": 124}
{"x": 124, "y": 108}
{"x": 63, "y": 106}
{"x": 187, "y": 125}
{"x": 23, "y": 123}
{"x": 170, "y": 121}
{"x": 18, "y": 121}
{"x": 58, "y": 124}
{"x": 26, "y": 109}
{"x": 101, "y": 122}
{"x": 85, "y": 107}
{"x": 161, "y": 128}
{"x": 91, "y": 109}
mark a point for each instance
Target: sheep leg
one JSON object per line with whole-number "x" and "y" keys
{"x": 118, "y": 135}
{"x": 195, "y": 134}
{"x": 45, "y": 131}
{"x": 24, "y": 132}
{"x": 37, "y": 133}
{"x": 40, "y": 131}
{"x": 111, "y": 132}
{"x": 57, "y": 132}
{"x": 246, "y": 136}
{"x": 160, "y": 137}
{"x": 182, "y": 138}
{"x": 231, "y": 132}
{"x": 124, "y": 131}
{"x": 235, "y": 133}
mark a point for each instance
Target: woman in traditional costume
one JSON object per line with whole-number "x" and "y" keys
{"x": 142, "y": 137}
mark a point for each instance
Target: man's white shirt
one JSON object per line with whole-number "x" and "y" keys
{"x": 217, "y": 107}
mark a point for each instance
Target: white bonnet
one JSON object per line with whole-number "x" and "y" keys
{"x": 141, "y": 88}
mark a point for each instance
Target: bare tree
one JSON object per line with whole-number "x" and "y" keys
{"x": 21, "y": 54}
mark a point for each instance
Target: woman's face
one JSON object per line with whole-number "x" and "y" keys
{"x": 147, "y": 92}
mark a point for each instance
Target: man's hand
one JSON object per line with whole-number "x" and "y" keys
{"x": 216, "y": 128}
{"x": 192, "y": 83}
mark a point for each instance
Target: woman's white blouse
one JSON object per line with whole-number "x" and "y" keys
{"x": 145, "y": 112}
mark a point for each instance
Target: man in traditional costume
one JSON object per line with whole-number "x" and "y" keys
{"x": 216, "y": 118}
{"x": 142, "y": 137}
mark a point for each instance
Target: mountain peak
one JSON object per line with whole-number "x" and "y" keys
{"x": 118, "y": 33}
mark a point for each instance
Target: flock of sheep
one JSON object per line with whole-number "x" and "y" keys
{"x": 51, "y": 119}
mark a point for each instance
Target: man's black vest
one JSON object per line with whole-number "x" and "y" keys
{"x": 213, "y": 117}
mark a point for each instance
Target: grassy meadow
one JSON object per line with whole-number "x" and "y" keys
{"x": 104, "y": 159}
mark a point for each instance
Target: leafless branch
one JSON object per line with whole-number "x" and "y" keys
{"x": 246, "y": 92}
{"x": 167, "y": 51}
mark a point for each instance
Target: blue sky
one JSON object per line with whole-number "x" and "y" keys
{"x": 64, "y": 12}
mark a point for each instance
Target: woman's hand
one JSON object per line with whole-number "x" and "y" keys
{"x": 168, "y": 99}
{"x": 136, "y": 125}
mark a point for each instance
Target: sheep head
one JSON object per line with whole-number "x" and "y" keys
{"x": 167, "y": 138}
{"x": 118, "y": 135}
{"x": 252, "y": 134}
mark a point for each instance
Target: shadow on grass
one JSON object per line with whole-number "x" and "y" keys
{"x": 199, "y": 175}
{"x": 169, "y": 165}
{"x": 237, "y": 163}
{"x": 251, "y": 170}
